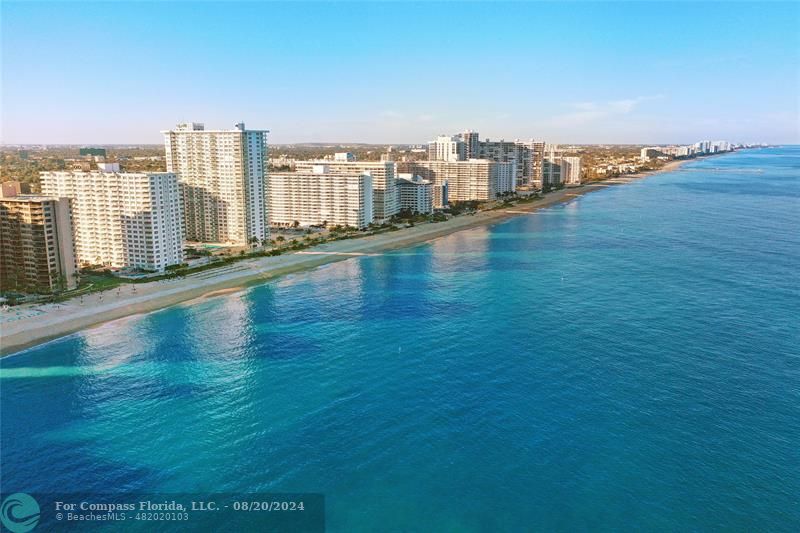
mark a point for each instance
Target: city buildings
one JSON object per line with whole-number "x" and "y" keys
{"x": 702, "y": 147}
{"x": 123, "y": 220}
{"x": 559, "y": 170}
{"x": 474, "y": 179}
{"x": 317, "y": 196}
{"x": 384, "y": 188}
{"x": 526, "y": 155}
{"x": 223, "y": 177}
{"x": 447, "y": 148}
{"x": 37, "y": 251}
{"x": 699, "y": 148}
{"x": 416, "y": 194}
{"x": 530, "y": 161}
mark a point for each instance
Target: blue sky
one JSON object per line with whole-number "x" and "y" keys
{"x": 399, "y": 72}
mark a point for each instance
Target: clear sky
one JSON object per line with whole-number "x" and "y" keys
{"x": 402, "y": 72}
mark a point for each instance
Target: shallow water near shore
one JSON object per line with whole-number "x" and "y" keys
{"x": 628, "y": 360}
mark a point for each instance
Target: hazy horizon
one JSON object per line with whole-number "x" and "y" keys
{"x": 401, "y": 73}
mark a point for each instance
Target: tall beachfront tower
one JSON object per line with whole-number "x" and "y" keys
{"x": 223, "y": 177}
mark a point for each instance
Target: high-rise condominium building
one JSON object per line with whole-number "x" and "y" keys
{"x": 555, "y": 170}
{"x": 223, "y": 177}
{"x": 530, "y": 163}
{"x": 471, "y": 140}
{"x": 475, "y": 179}
{"x": 447, "y": 148}
{"x": 317, "y": 196}
{"x": 384, "y": 188}
{"x": 501, "y": 151}
{"x": 702, "y": 147}
{"x": 124, "y": 220}
{"x": 416, "y": 194}
{"x": 571, "y": 170}
{"x": 527, "y": 155}
{"x": 37, "y": 252}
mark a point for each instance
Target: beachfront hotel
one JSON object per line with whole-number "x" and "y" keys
{"x": 416, "y": 194}
{"x": 121, "y": 219}
{"x": 384, "y": 188}
{"x": 37, "y": 251}
{"x": 474, "y": 179}
{"x": 318, "y": 197}
{"x": 223, "y": 178}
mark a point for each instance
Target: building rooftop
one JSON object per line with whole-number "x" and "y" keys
{"x": 199, "y": 127}
{"x": 28, "y": 198}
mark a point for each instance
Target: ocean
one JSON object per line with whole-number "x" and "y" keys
{"x": 626, "y": 361}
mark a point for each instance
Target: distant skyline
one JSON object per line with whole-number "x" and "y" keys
{"x": 402, "y": 73}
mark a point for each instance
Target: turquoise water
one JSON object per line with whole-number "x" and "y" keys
{"x": 630, "y": 360}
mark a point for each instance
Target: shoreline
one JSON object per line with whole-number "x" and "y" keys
{"x": 45, "y": 323}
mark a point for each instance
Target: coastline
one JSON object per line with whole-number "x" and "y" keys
{"x": 51, "y": 321}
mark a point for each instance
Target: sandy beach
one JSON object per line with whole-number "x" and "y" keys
{"x": 27, "y": 326}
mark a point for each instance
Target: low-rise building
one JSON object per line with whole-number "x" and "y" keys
{"x": 14, "y": 188}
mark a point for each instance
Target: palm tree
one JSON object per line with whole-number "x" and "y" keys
{"x": 60, "y": 283}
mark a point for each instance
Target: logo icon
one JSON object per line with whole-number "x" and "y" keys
{"x": 19, "y": 513}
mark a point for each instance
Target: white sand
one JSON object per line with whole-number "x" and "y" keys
{"x": 30, "y": 325}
